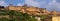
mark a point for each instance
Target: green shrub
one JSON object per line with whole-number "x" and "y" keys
{"x": 4, "y": 19}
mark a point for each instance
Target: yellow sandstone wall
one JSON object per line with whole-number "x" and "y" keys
{"x": 20, "y": 8}
{"x": 14, "y": 8}
{"x": 57, "y": 18}
{"x": 28, "y": 9}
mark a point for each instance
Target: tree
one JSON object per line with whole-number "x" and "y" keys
{"x": 11, "y": 14}
{"x": 4, "y": 19}
{"x": 44, "y": 17}
{"x": 18, "y": 16}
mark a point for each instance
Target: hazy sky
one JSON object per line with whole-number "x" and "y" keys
{"x": 48, "y": 4}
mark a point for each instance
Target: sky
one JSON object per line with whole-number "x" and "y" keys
{"x": 48, "y": 4}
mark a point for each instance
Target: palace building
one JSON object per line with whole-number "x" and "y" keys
{"x": 26, "y": 9}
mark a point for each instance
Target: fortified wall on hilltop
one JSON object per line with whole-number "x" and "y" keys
{"x": 27, "y": 9}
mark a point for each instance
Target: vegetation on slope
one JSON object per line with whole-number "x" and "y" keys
{"x": 19, "y": 16}
{"x": 16, "y": 16}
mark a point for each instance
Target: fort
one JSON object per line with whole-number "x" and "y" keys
{"x": 28, "y": 9}
{"x": 31, "y": 10}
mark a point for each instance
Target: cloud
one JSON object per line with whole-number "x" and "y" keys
{"x": 19, "y": 4}
{"x": 31, "y": 3}
{"x": 41, "y": 3}
{"x": 53, "y": 5}
{"x": 34, "y": 3}
{"x": 3, "y": 3}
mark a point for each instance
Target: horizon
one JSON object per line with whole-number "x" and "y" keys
{"x": 48, "y": 4}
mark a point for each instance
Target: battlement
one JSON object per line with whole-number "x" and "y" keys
{"x": 26, "y": 9}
